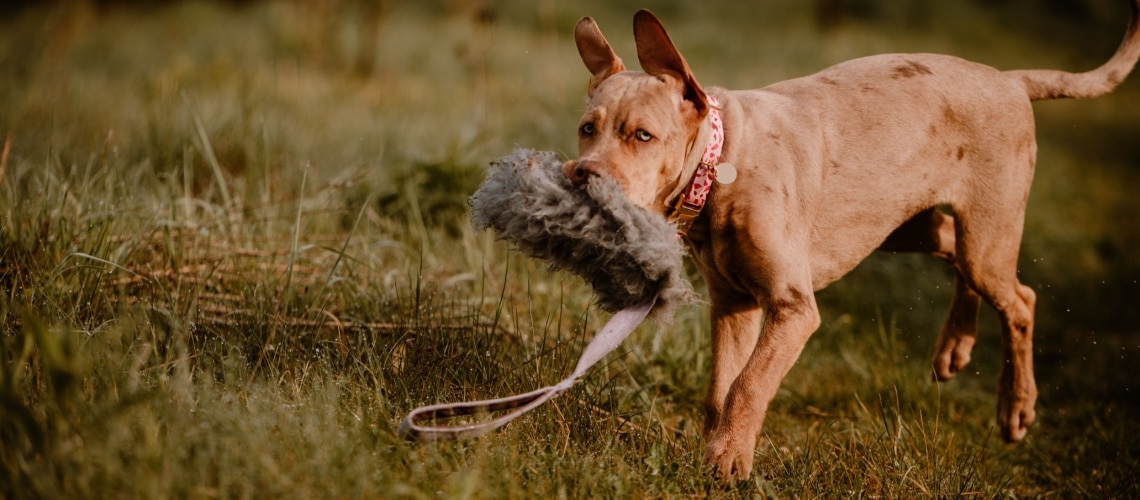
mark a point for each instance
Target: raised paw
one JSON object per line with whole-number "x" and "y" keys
{"x": 952, "y": 356}
{"x": 1014, "y": 417}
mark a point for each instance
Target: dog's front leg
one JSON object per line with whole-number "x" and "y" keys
{"x": 792, "y": 317}
{"x": 735, "y": 328}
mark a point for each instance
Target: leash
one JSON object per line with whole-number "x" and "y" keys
{"x": 604, "y": 342}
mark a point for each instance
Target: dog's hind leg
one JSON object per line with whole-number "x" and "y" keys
{"x": 988, "y": 241}
{"x": 932, "y": 231}
{"x": 959, "y": 332}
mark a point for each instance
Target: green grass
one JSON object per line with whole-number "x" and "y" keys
{"x": 234, "y": 253}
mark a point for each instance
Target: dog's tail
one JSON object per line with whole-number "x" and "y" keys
{"x": 1043, "y": 84}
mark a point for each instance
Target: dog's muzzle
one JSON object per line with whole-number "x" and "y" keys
{"x": 580, "y": 171}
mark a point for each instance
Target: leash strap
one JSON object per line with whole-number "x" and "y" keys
{"x": 604, "y": 342}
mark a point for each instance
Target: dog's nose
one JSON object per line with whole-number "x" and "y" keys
{"x": 579, "y": 171}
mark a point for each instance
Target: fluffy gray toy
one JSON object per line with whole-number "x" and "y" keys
{"x": 627, "y": 254}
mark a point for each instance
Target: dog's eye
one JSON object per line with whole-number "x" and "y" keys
{"x": 643, "y": 136}
{"x": 586, "y": 129}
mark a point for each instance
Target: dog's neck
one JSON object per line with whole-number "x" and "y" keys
{"x": 691, "y": 196}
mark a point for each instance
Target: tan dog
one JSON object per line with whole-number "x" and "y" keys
{"x": 873, "y": 153}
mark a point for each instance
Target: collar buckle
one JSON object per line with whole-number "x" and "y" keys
{"x": 683, "y": 215}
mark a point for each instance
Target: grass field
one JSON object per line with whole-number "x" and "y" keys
{"x": 234, "y": 253}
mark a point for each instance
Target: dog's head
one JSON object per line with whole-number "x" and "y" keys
{"x": 638, "y": 127}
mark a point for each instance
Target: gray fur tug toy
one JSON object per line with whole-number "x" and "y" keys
{"x": 631, "y": 257}
{"x": 626, "y": 253}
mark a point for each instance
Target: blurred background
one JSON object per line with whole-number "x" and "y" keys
{"x": 427, "y": 92}
{"x": 401, "y": 104}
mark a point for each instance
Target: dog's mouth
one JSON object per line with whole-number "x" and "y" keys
{"x": 581, "y": 173}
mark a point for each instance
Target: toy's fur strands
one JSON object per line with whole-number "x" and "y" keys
{"x": 626, "y": 253}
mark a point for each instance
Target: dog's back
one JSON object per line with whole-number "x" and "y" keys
{"x": 913, "y": 129}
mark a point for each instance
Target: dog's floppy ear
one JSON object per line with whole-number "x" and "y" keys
{"x": 596, "y": 53}
{"x": 658, "y": 56}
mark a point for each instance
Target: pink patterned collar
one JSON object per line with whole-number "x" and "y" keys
{"x": 691, "y": 202}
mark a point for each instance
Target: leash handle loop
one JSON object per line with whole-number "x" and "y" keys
{"x": 604, "y": 342}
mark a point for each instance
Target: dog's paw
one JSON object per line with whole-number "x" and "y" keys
{"x": 1017, "y": 395}
{"x": 730, "y": 459}
{"x": 1014, "y": 418}
{"x": 952, "y": 356}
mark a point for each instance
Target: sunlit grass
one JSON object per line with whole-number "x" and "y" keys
{"x": 234, "y": 253}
